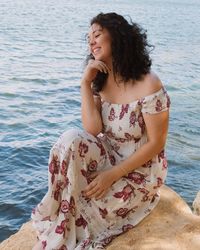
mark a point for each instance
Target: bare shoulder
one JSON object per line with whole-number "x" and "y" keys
{"x": 152, "y": 83}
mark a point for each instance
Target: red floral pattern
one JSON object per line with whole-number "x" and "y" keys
{"x": 72, "y": 208}
{"x": 137, "y": 178}
{"x": 147, "y": 164}
{"x": 124, "y": 110}
{"x": 81, "y": 222}
{"x": 64, "y": 206}
{"x": 44, "y": 244}
{"x": 103, "y": 212}
{"x": 85, "y": 243}
{"x": 63, "y": 247}
{"x": 168, "y": 101}
{"x": 161, "y": 155}
{"x": 60, "y": 185}
{"x": 64, "y": 168}
{"x": 66, "y": 214}
{"x": 92, "y": 166}
{"x": 132, "y": 119}
{"x": 159, "y": 183}
{"x": 122, "y": 212}
{"x": 107, "y": 240}
{"x": 54, "y": 167}
{"x": 87, "y": 175}
{"x": 158, "y": 106}
{"x": 60, "y": 229}
{"x": 112, "y": 116}
{"x": 141, "y": 122}
{"x": 100, "y": 146}
{"x": 83, "y": 149}
{"x": 112, "y": 159}
{"x": 127, "y": 227}
{"x": 126, "y": 193}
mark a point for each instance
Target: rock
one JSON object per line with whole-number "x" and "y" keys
{"x": 196, "y": 204}
{"x": 24, "y": 239}
{"x": 170, "y": 226}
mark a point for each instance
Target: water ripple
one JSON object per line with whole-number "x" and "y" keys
{"x": 43, "y": 48}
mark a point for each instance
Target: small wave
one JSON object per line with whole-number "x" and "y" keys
{"x": 35, "y": 80}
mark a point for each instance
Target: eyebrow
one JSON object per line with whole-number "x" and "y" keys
{"x": 100, "y": 29}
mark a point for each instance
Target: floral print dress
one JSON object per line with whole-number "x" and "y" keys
{"x": 64, "y": 219}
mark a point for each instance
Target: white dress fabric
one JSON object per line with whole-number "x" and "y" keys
{"x": 64, "y": 219}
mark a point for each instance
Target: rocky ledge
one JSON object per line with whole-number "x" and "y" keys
{"x": 170, "y": 226}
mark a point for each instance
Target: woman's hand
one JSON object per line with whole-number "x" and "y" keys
{"x": 92, "y": 69}
{"x": 100, "y": 185}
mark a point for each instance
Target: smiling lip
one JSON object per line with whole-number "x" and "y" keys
{"x": 96, "y": 50}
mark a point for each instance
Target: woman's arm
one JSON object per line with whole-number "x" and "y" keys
{"x": 90, "y": 106}
{"x": 90, "y": 110}
{"x": 157, "y": 128}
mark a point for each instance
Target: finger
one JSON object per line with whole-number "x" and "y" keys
{"x": 101, "y": 68}
{"x": 96, "y": 66}
{"x": 94, "y": 175}
{"x": 100, "y": 195}
{"x": 104, "y": 67}
{"x": 92, "y": 192}
{"x": 91, "y": 61}
{"x": 90, "y": 186}
{"x": 96, "y": 194}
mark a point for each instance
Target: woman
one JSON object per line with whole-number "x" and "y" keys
{"x": 106, "y": 179}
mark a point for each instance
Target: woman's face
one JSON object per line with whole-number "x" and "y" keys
{"x": 99, "y": 41}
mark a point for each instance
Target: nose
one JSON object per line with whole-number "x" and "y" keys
{"x": 92, "y": 41}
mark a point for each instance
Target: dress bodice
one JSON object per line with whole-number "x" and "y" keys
{"x": 124, "y": 123}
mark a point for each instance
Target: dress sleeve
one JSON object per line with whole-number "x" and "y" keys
{"x": 156, "y": 103}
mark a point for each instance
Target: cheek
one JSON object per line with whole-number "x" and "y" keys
{"x": 109, "y": 49}
{"x": 108, "y": 45}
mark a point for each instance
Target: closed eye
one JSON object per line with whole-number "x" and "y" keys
{"x": 97, "y": 35}
{"x": 89, "y": 40}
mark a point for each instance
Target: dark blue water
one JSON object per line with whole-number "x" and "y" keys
{"x": 42, "y": 49}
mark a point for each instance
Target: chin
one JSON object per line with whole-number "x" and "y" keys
{"x": 98, "y": 57}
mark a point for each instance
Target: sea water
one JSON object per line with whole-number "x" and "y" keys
{"x": 42, "y": 51}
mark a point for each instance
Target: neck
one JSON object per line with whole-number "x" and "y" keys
{"x": 112, "y": 79}
{"x": 109, "y": 64}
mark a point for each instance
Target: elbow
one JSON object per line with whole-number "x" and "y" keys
{"x": 161, "y": 144}
{"x": 93, "y": 125}
{"x": 158, "y": 145}
{"x": 93, "y": 130}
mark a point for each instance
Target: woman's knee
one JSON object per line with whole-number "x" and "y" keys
{"x": 74, "y": 136}
{"x": 70, "y": 135}
{"x": 75, "y": 139}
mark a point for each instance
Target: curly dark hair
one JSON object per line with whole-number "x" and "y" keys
{"x": 129, "y": 45}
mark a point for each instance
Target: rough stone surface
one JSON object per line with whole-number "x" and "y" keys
{"x": 170, "y": 226}
{"x": 196, "y": 204}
